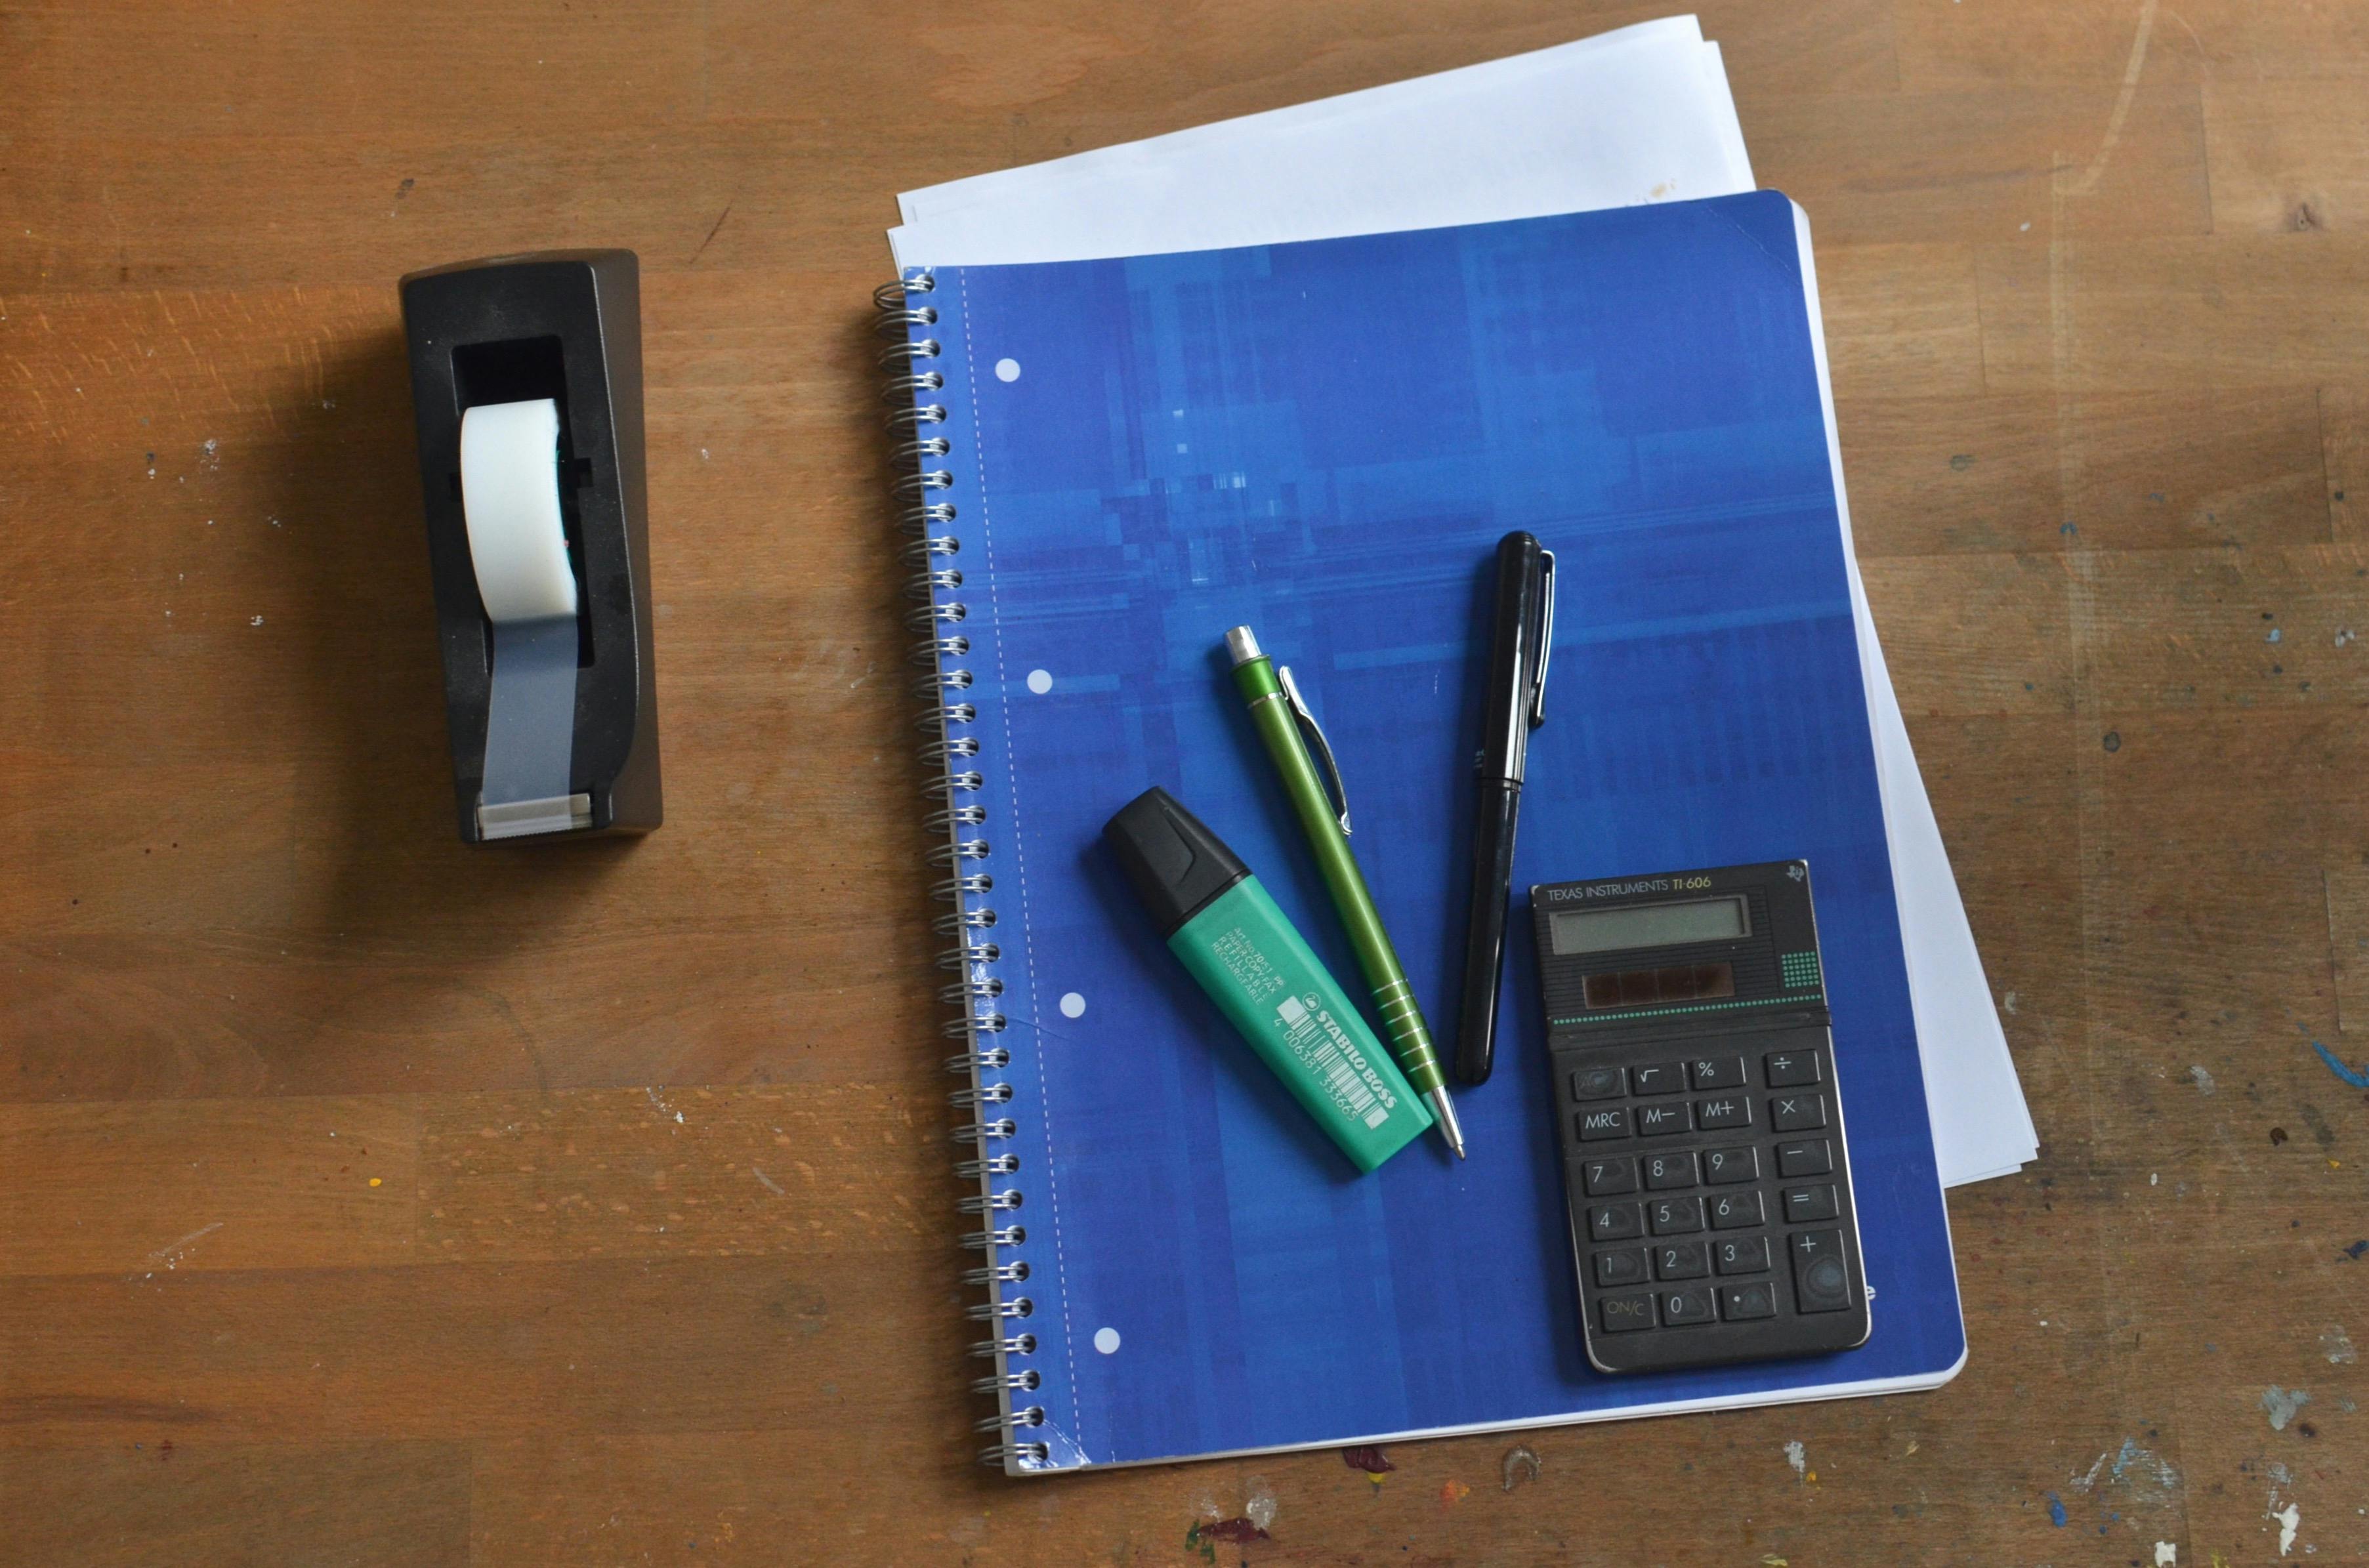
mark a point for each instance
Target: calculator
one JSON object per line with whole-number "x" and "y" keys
{"x": 1701, "y": 1117}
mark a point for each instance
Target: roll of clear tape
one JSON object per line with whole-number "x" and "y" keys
{"x": 518, "y": 544}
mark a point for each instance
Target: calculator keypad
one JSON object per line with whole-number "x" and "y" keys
{"x": 1713, "y": 1202}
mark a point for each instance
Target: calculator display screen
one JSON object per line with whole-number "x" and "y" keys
{"x": 1649, "y": 925}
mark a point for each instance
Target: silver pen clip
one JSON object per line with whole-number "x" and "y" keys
{"x": 1315, "y": 733}
{"x": 1546, "y": 641}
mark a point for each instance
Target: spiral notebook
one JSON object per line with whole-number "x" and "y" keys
{"x": 1636, "y": 115}
{"x": 1111, "y": 463}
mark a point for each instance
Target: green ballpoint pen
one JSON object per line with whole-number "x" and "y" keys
{"x": 1279, "y": 713}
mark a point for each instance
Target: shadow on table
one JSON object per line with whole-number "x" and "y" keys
{"x": 383, "y": 884}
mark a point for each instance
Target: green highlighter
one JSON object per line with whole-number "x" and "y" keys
{"x": 1251, "y": 959}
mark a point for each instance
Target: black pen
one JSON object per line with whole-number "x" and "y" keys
{"x": 1521, "y": 638}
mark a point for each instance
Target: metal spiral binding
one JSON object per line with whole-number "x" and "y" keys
{"x": 1016, "y": 1344}
{"x": 925, "y": 454}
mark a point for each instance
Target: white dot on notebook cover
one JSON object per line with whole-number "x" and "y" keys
{"x": 1040, "y": 681}
{"x": 1106, "y": 1340}
{"x": 1073, "y": 1006}
{"x": 1007, "y": 370}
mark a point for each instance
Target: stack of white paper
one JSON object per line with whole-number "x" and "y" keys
{"x": 1642, "y": 114}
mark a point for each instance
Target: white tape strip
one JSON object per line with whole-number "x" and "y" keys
{"x": 509, "y": 498}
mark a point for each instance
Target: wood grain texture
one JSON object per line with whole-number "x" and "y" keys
{"x": 660, "y": 1264}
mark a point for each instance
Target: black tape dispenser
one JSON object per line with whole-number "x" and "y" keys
{"x": 526, "y": 381}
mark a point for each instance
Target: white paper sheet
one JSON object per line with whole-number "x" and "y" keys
{"x": 1638, "y": 115}
{"x": 1982, "y": 1126}
{"x": 1642, "y": 114}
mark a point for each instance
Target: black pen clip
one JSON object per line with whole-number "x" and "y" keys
{"x": 1315, "y": 733}
{"x": 1546, "y": 639}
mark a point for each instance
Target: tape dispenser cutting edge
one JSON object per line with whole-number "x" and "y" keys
{"x": 518, "y": 545}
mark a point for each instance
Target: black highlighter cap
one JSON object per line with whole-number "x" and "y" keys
{"x": 1178, "y": 865}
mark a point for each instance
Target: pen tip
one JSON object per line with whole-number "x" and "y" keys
{"x": 1443, "y": 1109}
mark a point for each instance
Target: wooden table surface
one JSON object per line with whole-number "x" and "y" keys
{"x": 365, "y": 1199}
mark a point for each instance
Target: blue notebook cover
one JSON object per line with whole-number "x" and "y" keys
{"x": 1325, "y": 441}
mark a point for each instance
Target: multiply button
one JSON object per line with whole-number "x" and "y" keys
{"x": 1716, "y": 1072}
{"x": 1790, "y": 1068}
{"x": 1611, "y": 1122}
{"x": 1795, "y": 1112}
{"x": 1621, "y": 1313}
{"x": 1599, "y": 1083}
{"x": 1821, "y": 1276}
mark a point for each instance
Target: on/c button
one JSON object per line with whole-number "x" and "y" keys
{"x": 1622, "y": 1313}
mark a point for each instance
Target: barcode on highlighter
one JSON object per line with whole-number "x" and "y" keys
{"x": 1346, "y": 1087}
{"x": 1340, "y": 1075}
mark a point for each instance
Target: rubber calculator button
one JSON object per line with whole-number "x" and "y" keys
{"x": 1654, "y": 1121}
{"x": 1664, "y": 1172}
{"x": 1606, "y": 1177}
{"x": 1681, "y": 1309}
{"x": 1804, "y": 1205}
{"x": 1614, "y": 1223}
{"x": 1716, "y": 1072}
{"x": 1611, "y": 1121}
{"x": 1663, "y": 1078}
{"x": 1681, "y": 1260}
{"x": 1727, "y": 1111}
{"x": 1821, "y": 1276}
{"x": 1745, "y": 1254}
{"x": 1619, "y": 1314}
{"x": 1677, "y": 1216}
{"x": 1733, "y": 1211}
{"x": 1599, "y": 1083}
{"x": 1720, "y": 1166}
